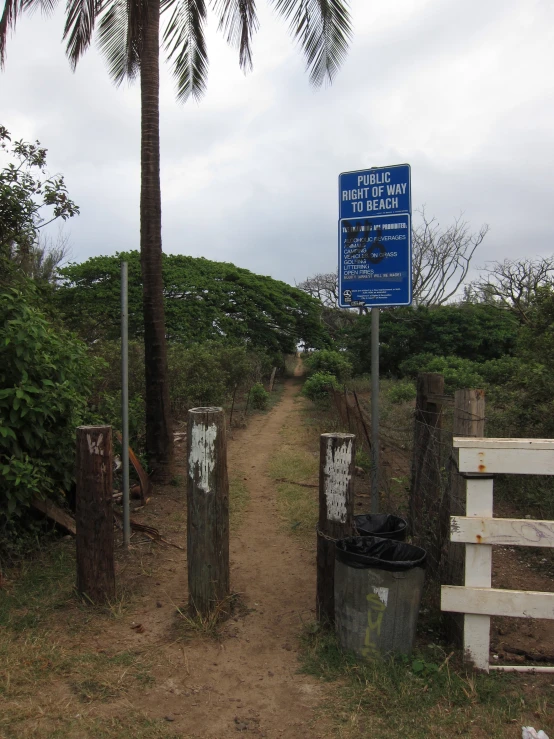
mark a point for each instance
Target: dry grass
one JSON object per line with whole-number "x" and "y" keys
{"x": 423, "y": 697}
{"x": 49, "y": 685}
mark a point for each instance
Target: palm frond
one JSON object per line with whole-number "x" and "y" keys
{"x": 120, "y": 37}
{"x": 186, "y": 46}
{"x": 323, "y": 29}
{"x": 79, "y": 27}
{"x": 12, "y": 9}
{"x": 239, "y": 22}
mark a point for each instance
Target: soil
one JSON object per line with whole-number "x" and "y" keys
{"x": 248, "y": 680}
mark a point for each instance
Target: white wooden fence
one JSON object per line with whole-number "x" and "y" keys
{"x": 479, "y": 459}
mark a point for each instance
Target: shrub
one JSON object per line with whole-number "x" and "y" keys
{"x": 330, "y": 362}
{"x": 259, "y": 397}
{"x": 458, "y": 373}
{"x": 318, "y": 385}
{"x": 401, "y": 391}
{"x": 45, "y": 380}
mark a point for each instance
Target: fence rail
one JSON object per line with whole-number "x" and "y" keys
{"x": 478, "y": 459}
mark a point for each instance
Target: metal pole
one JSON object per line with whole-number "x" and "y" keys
{"x": 125, "y": 402}
{"x": 375, "y": 409}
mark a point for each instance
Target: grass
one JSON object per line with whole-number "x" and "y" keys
{"x": 239, "y": 497}
{"x": 422, "y": 696}
{"x": 209, "y": 625}
{"x": 297, "y": 505}
{"x": 48, "y": 677}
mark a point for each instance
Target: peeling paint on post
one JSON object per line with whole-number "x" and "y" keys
{"x": 336, "y": 513}
{"x": 202, "y": 454}
{"x": 207, "y": 510}
{"x": 337, "y": 476}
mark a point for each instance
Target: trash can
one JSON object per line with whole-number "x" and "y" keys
{"x": 378, "y": 587}
{"x": 384, "y": 525}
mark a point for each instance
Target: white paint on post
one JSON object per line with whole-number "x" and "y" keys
{"x": 382, "y": 594}
{"x": 96, "y": 447}
{"x": 337, "y": 479}
{"x": 202, "y": 454}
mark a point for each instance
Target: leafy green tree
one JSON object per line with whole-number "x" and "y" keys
{"x": 129, "y": 36}
{"x": 30, "y": 199}
{"x": 475, "y": 332}
{"x": 204, "y": 301}
{"x": 330, "y": 361}
{"x": 45, "y": 381}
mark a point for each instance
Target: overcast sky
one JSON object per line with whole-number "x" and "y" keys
{"x": 460, "y": 89}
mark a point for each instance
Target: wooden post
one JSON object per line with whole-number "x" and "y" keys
{"x": 94, "y": 514}
{"x": 426, "y": 487}
{"x": 272, "y": 378}
{"x": 208, "y": 510}
{"x": 337, "y": 453}
{"x": 469, "y": 420}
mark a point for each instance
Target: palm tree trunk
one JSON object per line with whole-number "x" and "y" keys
{"x": 159, "y": 432}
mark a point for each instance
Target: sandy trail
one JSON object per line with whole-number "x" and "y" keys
{"x": 249, "y": 681}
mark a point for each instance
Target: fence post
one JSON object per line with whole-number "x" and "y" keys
{"x": 272, "y": 378}
{"x": 207, "y": 510}
{"x": 469, "y": 420}
{"x": 337, "y": 454}
{"x": 94, "y": 514}
{"x": 426, "y": 487}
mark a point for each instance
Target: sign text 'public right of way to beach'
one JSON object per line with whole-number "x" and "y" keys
{"x": 375, "y": 237}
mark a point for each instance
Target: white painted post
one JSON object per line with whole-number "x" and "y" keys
{"x": 478, "y": 569}
{"x": 207, "y": 510}
{"x": 336, "y": 513}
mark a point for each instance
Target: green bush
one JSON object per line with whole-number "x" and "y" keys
{"x": 317, "y": 386}
{"x": 331, "y": 362}
{"x": 259, "y": 397}
{"x": 458, "y": 373}
{"x": 401, "y": 391}
{"x": 45, "y": 381}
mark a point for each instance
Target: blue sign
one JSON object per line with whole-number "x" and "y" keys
{"x": 375, "y": 237}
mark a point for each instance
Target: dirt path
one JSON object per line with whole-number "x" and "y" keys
{"x": 248, "y": 682}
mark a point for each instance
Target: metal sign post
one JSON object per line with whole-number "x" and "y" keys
{"x": 125, "y": 403}
{"x": 375, "y": 261}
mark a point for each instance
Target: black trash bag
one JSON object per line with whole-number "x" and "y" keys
{"x": 384, "y": 525}
{"x": 366, "y": 552}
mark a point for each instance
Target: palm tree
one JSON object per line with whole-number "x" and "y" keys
{"x": 128, "y": 33}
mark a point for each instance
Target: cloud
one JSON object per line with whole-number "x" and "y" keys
{"x": 461, "y": 91}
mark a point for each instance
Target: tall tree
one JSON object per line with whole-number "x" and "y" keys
{"x": 129, "y": 36}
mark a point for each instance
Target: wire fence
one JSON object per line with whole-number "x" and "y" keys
{"x": 420, "y": 442}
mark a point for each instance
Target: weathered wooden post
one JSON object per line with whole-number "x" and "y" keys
{"x": 94, "y": 514}
{"x": 426, "y": 486}
{"x": 208, "y": 510}
{"x": 469, "y": 420}
{"x": 337, "y": 453}
{"x": 272, "y": 379}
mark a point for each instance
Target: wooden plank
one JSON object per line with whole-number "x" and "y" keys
{"x": 488, "y": 443}
{"x": 502, "y": 531}
{"x": 494, "y": 602}
{"x": 478, "y": 570}
{"x": 512, "y": 460}
{"x": 56, "y": 514}
{"x": 521, "y": 668}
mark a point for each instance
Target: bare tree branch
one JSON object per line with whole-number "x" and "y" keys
{"x": 441, "y": 258}
{"x": 513, "y": 284}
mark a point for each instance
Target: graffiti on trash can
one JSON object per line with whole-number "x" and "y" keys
{"x": 377, "y": 604}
